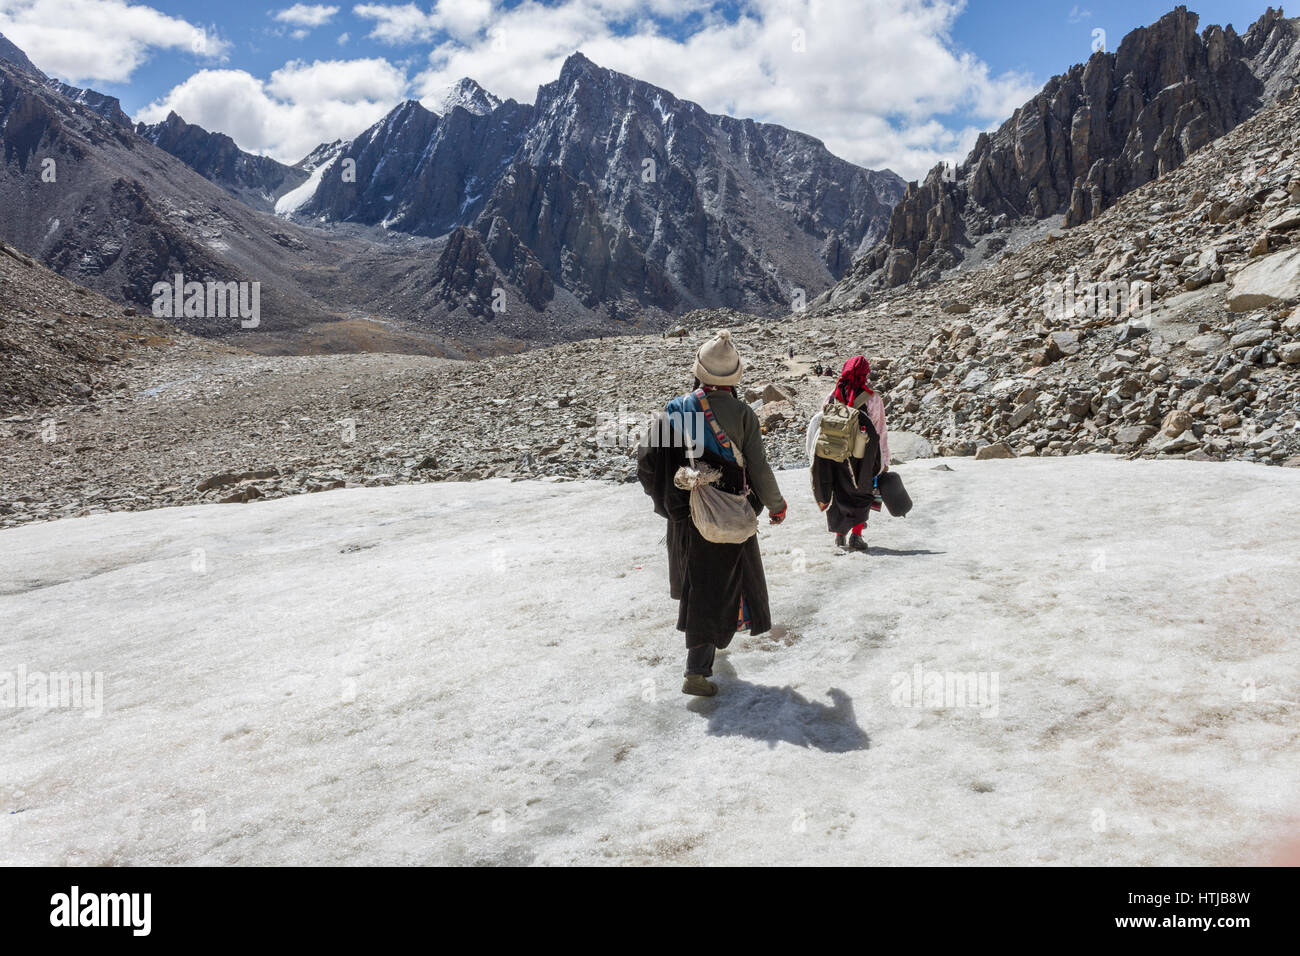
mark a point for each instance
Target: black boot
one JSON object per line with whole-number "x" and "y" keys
{"x": 857, "y": 543}
{"x": 839, "y": 540}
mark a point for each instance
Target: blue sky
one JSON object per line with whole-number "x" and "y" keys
{"x": 902, "y": 83}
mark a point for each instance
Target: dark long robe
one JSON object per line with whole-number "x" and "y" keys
{"x": 707, "y": 579}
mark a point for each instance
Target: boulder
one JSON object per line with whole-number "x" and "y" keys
{"x": 1022, "y": 414}
{"x": 1132, "y": 330}
{"x": 908, "y": 446}
{"x": 1135, "y": 434}
{"x": 775, "y": 393}
{"x": 1060, "y": 344}
{"x": 217, "y": 481}
{"x": 1206, "y": 344}
{"x": 1244, "y": 340}
{"x": 996, "y": 450}
{"x": 1284, "y": 221}
{"x": 1176, "y": 422}
{"x": 1272, "y": 279}
{"x": 774, "y": 414}
{"x": 1171, "y": 444}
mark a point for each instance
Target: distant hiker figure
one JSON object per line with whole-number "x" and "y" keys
{"x": 703, "y": 463}
{"x": 848, "y": 446}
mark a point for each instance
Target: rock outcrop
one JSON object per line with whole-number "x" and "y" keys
{"x": 476, "y": 269}
{"x": 1091, "y": 135}
{"x": 1180, "y": 335}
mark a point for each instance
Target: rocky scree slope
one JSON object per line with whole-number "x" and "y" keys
{"x": 60, "y": 343}
{"x": 235, "y": 428}
{"x": 1210, "y": 371}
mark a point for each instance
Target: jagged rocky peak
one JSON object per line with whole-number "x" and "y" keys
{"x": 323, "y": 153}
{"x": 1090, "y": 136}
{"x": 1274, "y": 51}
{"x": 11, "y": 54}
{"x": 109, "y": 107}
{"x": 257, "y": 180}
{"x": 407, "y": 112}
{"x": 627, "y": 196}
{"x": 468, "y": 95}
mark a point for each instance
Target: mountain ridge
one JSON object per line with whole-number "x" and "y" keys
{"x": 1089, "y": 136}
{"x": 629, "y": 196}
{"x": 257, "y": 180}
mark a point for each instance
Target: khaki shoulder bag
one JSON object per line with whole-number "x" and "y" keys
{"x": 719, "y": 516}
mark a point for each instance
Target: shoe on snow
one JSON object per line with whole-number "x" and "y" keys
{"x": 839, "y": 541}
{"x": 857, "y": 543}
{"x": 696, "y": 684}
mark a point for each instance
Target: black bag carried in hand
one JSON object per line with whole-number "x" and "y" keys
{"x": 895, "y": 496}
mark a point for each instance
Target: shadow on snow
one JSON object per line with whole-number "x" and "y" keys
{"x": 780, "y": 715}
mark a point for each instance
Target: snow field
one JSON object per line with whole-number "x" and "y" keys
{"x": 489, "y": 673}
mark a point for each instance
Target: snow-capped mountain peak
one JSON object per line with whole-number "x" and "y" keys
{"x": 468, "y": 95}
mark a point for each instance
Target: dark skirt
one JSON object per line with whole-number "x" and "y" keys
{"x": 709, "y": 581}
{"x": 850, "y": 503}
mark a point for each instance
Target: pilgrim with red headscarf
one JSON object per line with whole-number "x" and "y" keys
{"x": 845, "y": 490}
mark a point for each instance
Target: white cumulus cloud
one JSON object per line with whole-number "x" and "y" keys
{"x": 879, "y": 81}
{"x": 286, "y": 116}
{"x": 307, "y": 14}
{"x": 408, "y": 23}
{"x": 87, "y": 40}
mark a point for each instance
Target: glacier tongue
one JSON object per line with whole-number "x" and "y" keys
{"x": 291, "y": 201}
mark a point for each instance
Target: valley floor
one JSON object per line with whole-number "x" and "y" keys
{"x": 488, "y": 672}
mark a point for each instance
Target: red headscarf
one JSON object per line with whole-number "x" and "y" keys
{"x": 853, "y": 380}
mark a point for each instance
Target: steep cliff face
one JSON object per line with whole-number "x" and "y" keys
{"x": 257, "y": 180}
{"x": 477, "y": 270}
{"x": 17, "y": 59}
{"x": 626, "y": 195}
{"x": 418, "y": 172}
{"x": 1089, "y": 137}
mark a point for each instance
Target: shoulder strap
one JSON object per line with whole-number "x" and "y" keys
{"x": 688, "y": 439}
{"x": 719, "y": 434}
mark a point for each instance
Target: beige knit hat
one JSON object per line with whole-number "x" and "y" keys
{"x": 717, "y": 362}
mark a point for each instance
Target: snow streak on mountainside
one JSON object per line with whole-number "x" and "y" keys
{"x": 380, "y": 676}
{"x": 315, "y": 164}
